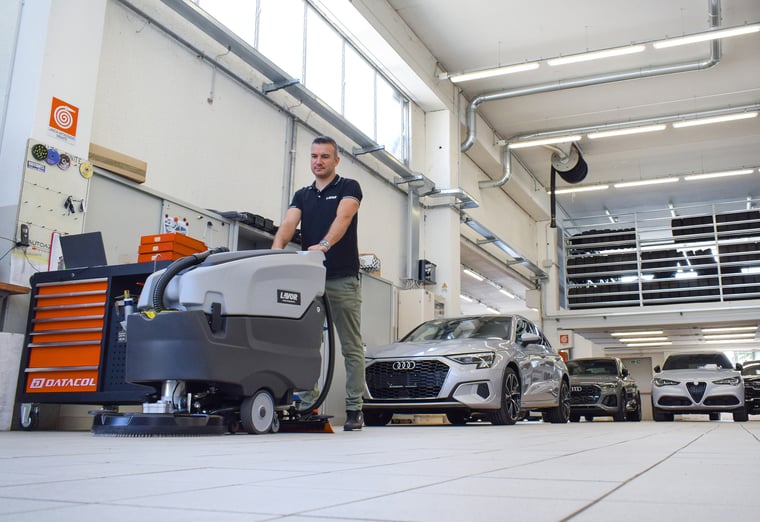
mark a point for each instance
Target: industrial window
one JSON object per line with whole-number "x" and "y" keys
{"x": 300, "y": 41}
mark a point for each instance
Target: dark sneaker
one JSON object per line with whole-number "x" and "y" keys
{"x": 354, "y": 421}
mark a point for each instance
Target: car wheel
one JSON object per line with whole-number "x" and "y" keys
{"x": 741, "y": 415}
{"x": 511, "y": 400}
{"x": 561, "y": 413}
{"x": 574, "y": 417}
{"x": 660, "y": 415}
{"x": 714, "y": 416}
{"x": 377, "y": 418}
{"x": 619, "y": 415}
{"x": 635, "y": 415}
{"x": 457, "y": 418}
{"x": 589, "y": 418}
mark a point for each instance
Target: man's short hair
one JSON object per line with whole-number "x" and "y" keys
{"x": 326, "y": 139}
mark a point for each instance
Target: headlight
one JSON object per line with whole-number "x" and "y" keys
{"x": 659, "y": 381}
{"x": 607, "y": 385}
{"x": 483, "y": 360}
{"x": 730, "y": 381}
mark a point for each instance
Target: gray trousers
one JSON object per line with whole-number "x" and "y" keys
{"x": 344, "y": 296}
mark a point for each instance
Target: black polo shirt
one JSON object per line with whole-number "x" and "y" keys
{"x": 318, "y": 210}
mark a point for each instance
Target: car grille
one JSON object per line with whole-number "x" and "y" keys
{"x": 696, "y": 390}
{"x": 584, "y": 394}
{"x": 424, "y": 381}
{"x": 752, "y": 388}
{"x": 721, "y": 400}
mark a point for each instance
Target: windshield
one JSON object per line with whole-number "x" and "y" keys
{"x": 462, "y": 328}
{"x": 592, "y": 367}
{"x": 751, "y": 369}
{"x": 695, "y": 361}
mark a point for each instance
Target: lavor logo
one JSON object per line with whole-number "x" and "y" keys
{"x": 288, "y": 297}
{"x": 40, "y": 382}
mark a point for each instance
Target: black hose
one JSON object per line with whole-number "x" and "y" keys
{"x": 157, "y": 298}
{"x": 330, "y": 358}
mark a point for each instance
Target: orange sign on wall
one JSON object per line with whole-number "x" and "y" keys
{"x": 63, "y": 117}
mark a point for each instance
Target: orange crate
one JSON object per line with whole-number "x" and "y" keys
{"x": 177, "y": 239}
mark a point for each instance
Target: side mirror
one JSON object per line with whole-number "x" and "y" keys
{"x": 529, "y": 338}
{"x": 739, "y": 366}
{"x": 657, "y": 369}
{"x": 625, "y": 372}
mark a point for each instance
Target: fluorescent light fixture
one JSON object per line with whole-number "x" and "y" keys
{"x": 715, "y": 119}
{"x": 472, "y": 274}
{"x": 633, "y": 345}
{"x": 587, "y": 188}
{"x": 465, "y": 298}
{"x": 544, "y": 141}
{"x": 508, "y": 294}
{"x": 642, "y": 339}
{"x": 731, "y": 341}
{"x": 708, "y": 175}
{"x": 731, "y": 336}
{"x": 623, "y": 334}
{"x": 496, "y": 71}
{"x": 596, "y": 55}
{"x": 730, "y": 329}
{"x": 645, "y": 182}
{"x": 706, "y": 36}
{"x": 625, "y": 132}
{"x": 492, "y": 310}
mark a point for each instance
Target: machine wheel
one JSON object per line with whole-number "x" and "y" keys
{"x": 714, "y": 416}
{"x": 741, "y": 415}
{"x": 561, "y": 413}
{"x": 258, "y": 414}
{"x": 635, "y": 415}
{"x": 574, "y": 417}
{"x": 33, "y": 421}
{"x": 377, "y": 418}
{"x": 511, "y": 399}
{"x": 457, "y": 418}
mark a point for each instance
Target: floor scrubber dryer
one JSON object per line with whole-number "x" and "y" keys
{"x": 227, "y": 339}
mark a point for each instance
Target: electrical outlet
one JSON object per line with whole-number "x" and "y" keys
{"x": 24, "y": 236}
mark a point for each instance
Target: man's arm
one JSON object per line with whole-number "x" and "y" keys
{"x": 347, "y": 209}
{"x": 287, "y": 228}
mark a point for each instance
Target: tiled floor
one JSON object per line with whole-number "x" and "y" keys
{"x": 685, "y": 470}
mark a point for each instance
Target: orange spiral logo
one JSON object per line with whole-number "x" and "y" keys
{"x": 63, "y": 116}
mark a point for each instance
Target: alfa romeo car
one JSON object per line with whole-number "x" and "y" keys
{"x": 602, "y": 387}
{"x": 751, "y": 376}
{"x": 494, "y": 368}
{"x": 698, "y": 383}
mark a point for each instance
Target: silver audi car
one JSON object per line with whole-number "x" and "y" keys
{"x": 700, "y": 382}
{"x": 495, "y": 368}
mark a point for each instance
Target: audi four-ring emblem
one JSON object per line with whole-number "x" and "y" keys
{"x": 404, "y": 365}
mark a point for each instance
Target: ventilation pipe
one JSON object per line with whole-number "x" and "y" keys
{"x": 712, "y": 60}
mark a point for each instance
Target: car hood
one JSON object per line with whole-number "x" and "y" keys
{"x": 697, "y": 375}
{"x": 592, "y": 379}
{"x": 435, "y": 348}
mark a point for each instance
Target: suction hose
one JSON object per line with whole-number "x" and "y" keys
{"x": 175, "y": 268}
{"x": 330, "y": 357}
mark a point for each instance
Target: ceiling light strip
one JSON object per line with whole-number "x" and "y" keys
{"x": 544, "y": 141}
{"x": 706, "y": 36}
{"x": 596, "y": 55}
{"x": 490, "y": 73}
{"x": 626, "y": 131}
{"x": 589, "y": 188}
{"x": 646, "y": 332}
{"x": 715, "y": 119}
{"x": 643, "y": 182}
{"x": 723, "y": 174}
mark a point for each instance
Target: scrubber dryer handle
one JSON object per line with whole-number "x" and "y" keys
{"x": 175, "y": 268}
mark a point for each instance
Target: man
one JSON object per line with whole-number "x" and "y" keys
{"x": 328, "y": 212}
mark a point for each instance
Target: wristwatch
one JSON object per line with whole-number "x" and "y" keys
{"x": 325, "y": 244}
